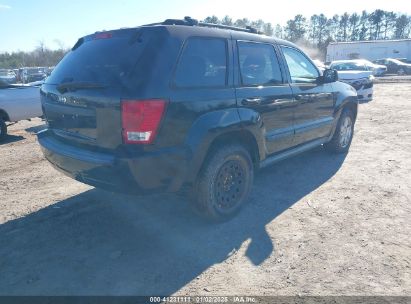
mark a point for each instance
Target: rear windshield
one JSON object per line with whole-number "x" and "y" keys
{"x": 105, "y": 58}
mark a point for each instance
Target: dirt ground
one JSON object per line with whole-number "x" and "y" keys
{"x": 316, "y": 224}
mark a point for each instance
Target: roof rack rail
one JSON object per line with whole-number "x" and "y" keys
{"x": 188, "y": 21}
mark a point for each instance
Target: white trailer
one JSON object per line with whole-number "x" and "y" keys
{"x": 370, "y": 50}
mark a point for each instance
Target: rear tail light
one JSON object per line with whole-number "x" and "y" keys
{"x": 141, "y": 120}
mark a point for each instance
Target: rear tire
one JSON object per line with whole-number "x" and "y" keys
{"x": 224, "y": 183}
{"x": 3, "y": 129}
{"x": 343, "y": 134}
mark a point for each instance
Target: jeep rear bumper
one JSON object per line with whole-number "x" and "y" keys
{"x": 143, "y": 173}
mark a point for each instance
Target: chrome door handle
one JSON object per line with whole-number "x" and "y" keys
{"x": 251, "y": 101}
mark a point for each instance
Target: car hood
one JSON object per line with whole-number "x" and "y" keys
{"x": 350, "y": 75}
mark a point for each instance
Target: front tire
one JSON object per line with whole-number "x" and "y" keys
{"x": 224, "y": 183}
{"x": 343, "y": 134}
{"x": 3, "y": 129}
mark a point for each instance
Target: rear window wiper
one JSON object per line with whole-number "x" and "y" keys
{"x": 73, "y": 86}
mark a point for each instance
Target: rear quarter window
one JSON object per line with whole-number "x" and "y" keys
{"x": 203, "y": 63}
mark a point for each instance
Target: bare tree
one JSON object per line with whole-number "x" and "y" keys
{"x": 242, "y": 22}
{"x": 268, "y": 29}
{"x": 376, "y": 20}
{"x": 227, "y": 21}
{"x": 279, "y": 32}
{"x": 213, "y": 19}
{"x": 344, "y": 25}
{"x": 364, "y": 26}
{"x": 354, "y": 22}
{"x": 313, "y": 28}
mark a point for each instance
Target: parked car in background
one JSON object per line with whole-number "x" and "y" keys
{"x": 395, "y": 66}
{"x": 405, "y": 60}
{"x": 188, "y": 105}
{"x": 33, "y": 74}
{"x": 49, "y": 70}
{"x": 363, "y": 65}
{"x": 18, "y": 102}
{"x": 377, "y": 69}
{"x": 356, "y": 74}
{"x": 8, "y": 76}
{"x": 16, "y": 72}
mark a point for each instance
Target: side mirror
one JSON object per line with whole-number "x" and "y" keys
{"x": 329, "y": 76}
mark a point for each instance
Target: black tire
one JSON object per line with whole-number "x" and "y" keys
{"x": 341, "y": 141}
{"x": 3, "y": 129}
{"x": 224, "y": 183}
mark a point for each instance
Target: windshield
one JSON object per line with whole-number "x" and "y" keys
{"x": 349, "y": 66}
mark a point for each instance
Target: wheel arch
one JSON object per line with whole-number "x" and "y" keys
{"x": 216, "y": 129}
{"x": 353, "y": 107}
{"x": 241, "y": 137}
{"x": 350, "y": 103}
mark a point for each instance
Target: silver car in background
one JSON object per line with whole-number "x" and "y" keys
{"x": 366, "y": 65}
{"x": 8, "y": 76}
{"x": 377, "y": 69}
{"x": 18, "y": 102}
{"x": 356, "y": 74}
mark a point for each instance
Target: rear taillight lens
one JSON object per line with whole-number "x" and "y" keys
{"x": 141, "y": 120}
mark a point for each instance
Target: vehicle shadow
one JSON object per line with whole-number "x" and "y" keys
{"x": 11, "y": 138}
{"x": 364, "y": 101}
{"x": 36, "y": 129}
{"x": 98, "y": 243}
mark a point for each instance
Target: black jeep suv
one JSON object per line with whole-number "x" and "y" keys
{"x": 188, "y": 105}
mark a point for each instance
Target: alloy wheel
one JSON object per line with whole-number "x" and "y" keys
{"x": 346, "y": 131}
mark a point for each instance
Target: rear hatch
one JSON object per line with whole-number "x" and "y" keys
{"x": 81, "y": 98}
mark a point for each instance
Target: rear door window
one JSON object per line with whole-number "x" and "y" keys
{"x": 203, "y": 63}
{"x": 258, "y": 64}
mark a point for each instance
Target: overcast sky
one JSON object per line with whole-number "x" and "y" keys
{"x": 23, "y": 23}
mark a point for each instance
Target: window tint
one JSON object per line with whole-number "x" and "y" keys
{"x": 258, "y": 64}
{"x": 106, "y": 61}
{"x": 202, "y": 64}
{"x": 301, "y": 69}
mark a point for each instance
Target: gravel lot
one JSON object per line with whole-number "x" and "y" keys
{"x": 317, "y": 224}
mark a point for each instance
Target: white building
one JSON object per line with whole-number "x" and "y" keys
{"x": 370, "y": 50}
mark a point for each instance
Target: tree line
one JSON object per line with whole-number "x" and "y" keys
{"x": 319, "y": 30}
{"x": 313, "y": 33}
{"x": 41, "y": 56}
